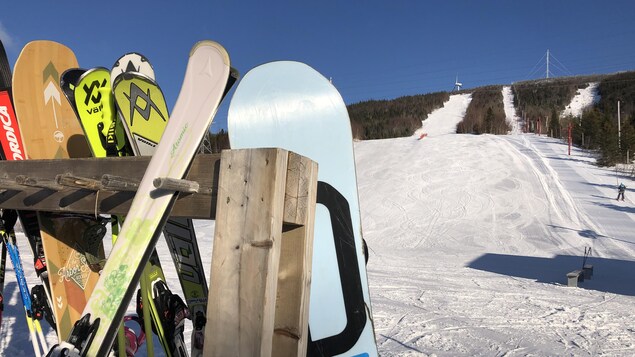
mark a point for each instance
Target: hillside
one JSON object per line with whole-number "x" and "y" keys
{"x": 541, "y": 104}
{"x": 540, "y": 98}
{"x": 381, "y": 119}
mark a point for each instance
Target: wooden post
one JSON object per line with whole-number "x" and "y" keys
{"x": 261, "y": 266}
{"x": 264, "y": 203}
{"x": 290, "y": 336}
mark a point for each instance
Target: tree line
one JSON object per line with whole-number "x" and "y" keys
{"x": 597, "y": 128}
{"x": 485, "y": 114}
{"x": 382, "y": 119}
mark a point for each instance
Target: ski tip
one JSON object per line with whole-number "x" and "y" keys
{"x": 214, "y": 44}
{"x": 136, "y": 55}
{"x": 129, "y": 76}
{"x": 131, "y": 62}
{"x": 90, "y": 71}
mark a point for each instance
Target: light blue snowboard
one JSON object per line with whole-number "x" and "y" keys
{"x": 291, "y": 106}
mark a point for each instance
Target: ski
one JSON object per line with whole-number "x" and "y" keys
{"x": 89, "y": 93}
{"x": 127, "y": 63}
{"x": 203, "y": 86}
{"x": 131, "y": 62}
{"x": 142, "y": 109}
{"x": 68, "y": 80}
{"x": 95, "y": 107}
{"x": 35, "y": 329}
{"x": 179, "y": 233}
{"x": 106, "y": 137}
{"x": 12, "y": 148}
{"x": 3, "y": 260}
{"x": 181, "y": 239}
{"x": 291, "y": 106}
{"x": 130, "y": 88}
{"x": 50, "y": 130}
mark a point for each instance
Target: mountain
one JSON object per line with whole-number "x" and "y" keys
{"x": 540, "y": 103}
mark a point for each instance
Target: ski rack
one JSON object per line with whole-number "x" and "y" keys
{"x": 263, "y": 201}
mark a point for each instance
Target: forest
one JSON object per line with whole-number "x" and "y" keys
{"x": 382, "y": 119}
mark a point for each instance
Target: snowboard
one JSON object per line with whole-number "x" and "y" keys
{"x": 12, "y": 148}
{"x": 203, "y": 86}
{"x": 50, "y": 130}
{"x": 291, "y": 106}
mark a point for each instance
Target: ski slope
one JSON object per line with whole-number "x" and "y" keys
{"x": 584, "y": 98}
{"x": 470, "y": 240}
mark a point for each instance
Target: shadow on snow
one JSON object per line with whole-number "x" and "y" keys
{"x": 15, "y": 332}
{"x": 609, "y": 275}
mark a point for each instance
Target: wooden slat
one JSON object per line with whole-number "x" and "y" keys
{"x": 204, "y": 170}
{"x": 294, "y": 277}
{"x": 246, "y": 254}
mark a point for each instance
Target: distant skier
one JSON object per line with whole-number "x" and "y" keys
{"x": 620, "y": 191}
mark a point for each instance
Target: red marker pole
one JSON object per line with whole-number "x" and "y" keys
{"x": 569, "y": 132}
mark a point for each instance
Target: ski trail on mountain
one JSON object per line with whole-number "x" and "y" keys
{"x": 511, "y": 117}
{"x": 444, "y": 120}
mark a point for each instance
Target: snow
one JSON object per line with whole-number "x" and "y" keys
{"x": 584, "y": 98}
{"x": 470, "y": 240}
{"x": 444, "y": 120}
{"x": 512, "y": 119}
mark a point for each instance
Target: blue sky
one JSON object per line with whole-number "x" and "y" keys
{"x": 371, "y": 49}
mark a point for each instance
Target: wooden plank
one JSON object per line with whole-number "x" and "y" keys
{"x": 204, "y": 170}
{"x": 294, "y": 277}
{"x": 246, "y": 254}
{"x": 299, "y": 178}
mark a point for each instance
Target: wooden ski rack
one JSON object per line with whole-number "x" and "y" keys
{"x": 263, "y": 201}
{"x": 98, "y": 185}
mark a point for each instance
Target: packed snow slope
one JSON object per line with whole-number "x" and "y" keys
{"x": 583, "y": 99}
{"x": 470, "y": 239}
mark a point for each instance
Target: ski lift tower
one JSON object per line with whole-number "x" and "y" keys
{"x": 457, "y": 84}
